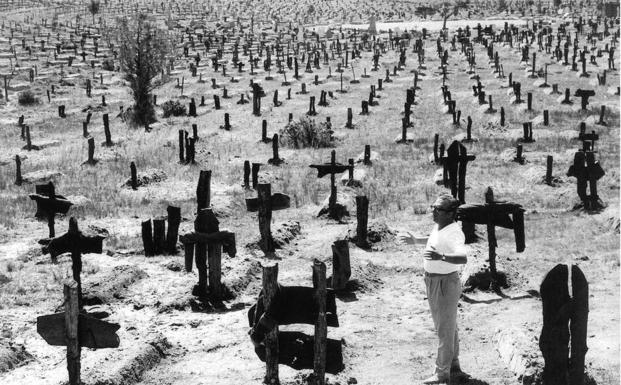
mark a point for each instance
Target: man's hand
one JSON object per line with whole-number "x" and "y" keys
{"x": 431, "y": 254}
{"x": 403, "y": 238}
{"x": 254, "y": 337}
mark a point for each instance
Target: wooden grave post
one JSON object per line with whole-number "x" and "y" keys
{"x": 264, "y": 204}
{"x": 362, "y": 219}
{"x": 341, "y": 267}
{"x": 205, "y": 245}
{"x": 76, "y": 330}
{"x": 331, "y": 168}
{"x": 321, "y": 326}
{"x": 49, "y": 204}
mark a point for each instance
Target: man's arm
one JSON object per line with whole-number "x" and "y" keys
{"x": 458, "y": 258}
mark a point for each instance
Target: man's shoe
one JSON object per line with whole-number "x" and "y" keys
{"x": 436, "y": 379}
{"x": 456, "y": 372}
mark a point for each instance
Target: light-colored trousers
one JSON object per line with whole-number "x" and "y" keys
{"x": 443, "y": 292}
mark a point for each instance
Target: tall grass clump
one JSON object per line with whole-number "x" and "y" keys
{"x": 306, "y": 133}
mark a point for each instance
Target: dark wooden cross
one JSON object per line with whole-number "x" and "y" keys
{"x": 77, "y": 243}
{"x": 331, "y": 168}
{"x": 49, "y": 204}
{"x": 75, "y": 330}
{"x": 264, "y": 204}
{"x": 454, "y": 173}
{"x": 495, "y": 213}
{"x": 205, "y": 245}
{"x": 587, "y": 171}
{"x": 565, "y": 319}
{"x": 584, "y": 96}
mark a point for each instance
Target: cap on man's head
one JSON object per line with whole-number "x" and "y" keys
{"x": 446, "y": 202}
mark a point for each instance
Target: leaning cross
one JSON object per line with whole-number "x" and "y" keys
{"x": 77, "y": 243}
{"x": 76, "y": 330}
{"x": 264, "y": 204}
{"x": 331, "y": 168}
{"x": 205, "y": 245}
{"x": 49, "y": 204}
{"x": 495, "y": 213}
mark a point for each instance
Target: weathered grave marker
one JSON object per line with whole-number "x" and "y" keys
{"x": 495, "y": 213}
{"x": 75, "y": 330}
{"x": 264, "y": 204}
{"x": 587, "y": 171}
{"x": 331, "y": 168}
{"x": 49, "y": 204}
{"x": 564, "y": 318}
{"x": 205, "y": 246}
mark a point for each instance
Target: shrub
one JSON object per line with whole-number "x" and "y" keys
{"x": 143, "y": 48}
{"x": 27, "y": 98}
{"x": 173, "y": 108}
{"x": 306, "y": 133}
{"x": 108, "y": 65}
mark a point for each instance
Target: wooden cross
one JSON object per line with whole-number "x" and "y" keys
{"x": 49, "y": 204}
{"x": 286, "y": 305}
{"x": 565, "y": 318}
{"x": 205, "y": 245}
{"x": 76, "y": 330}
{"x": 264, "y": 204}
{"x": 331, "y": 168}
{"x": 495, "y": 213}
{"x": 77, "y": 243}
{"x": 584, "y": 96}
{"x": 587, "y": 171}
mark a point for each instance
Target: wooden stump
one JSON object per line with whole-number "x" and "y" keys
{"x": 159, "y": 235}
{"x": 362, "y": 218}
{"x": 203, "y": 190}
{"x": 147, "y": 238}
{"x": 341, "y": 268}
{"x": 174, "y": 220}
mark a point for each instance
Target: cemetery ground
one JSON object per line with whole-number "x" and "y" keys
{"x": 169, "y": 337}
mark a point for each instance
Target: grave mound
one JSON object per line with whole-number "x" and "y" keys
{"x": 365, "y": 279}
{"x": 147, "y": 177}
{"x": 127, "y": 366}
{"x": 41, "y": 176}
{"x": 110, "y": 285}
{"x": 345, "y": 204}
{"x": 379, "y": 231}
{"x": 285, "y": 232}
{"x": 12, "y": 355}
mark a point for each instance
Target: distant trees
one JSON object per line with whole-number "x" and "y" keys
{"x": 93, "y": 8}
{"x": 142, "y": 52}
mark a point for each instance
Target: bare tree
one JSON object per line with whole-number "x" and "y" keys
{"x": 448, "y": 9}
{"x": 143, "y": 50}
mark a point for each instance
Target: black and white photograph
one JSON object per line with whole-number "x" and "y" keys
{"x": 310, "y": 192}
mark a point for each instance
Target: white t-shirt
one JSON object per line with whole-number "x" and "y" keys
{"x": 449, "y": 240}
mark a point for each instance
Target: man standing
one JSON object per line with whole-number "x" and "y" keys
{"x": 444, "y": 252}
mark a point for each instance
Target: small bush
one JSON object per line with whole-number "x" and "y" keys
{"x": 27, "y": 98}
{"x": 306, "y": 133}
{"x": 108, "y": 65}
{"x": 173, "y": 108}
